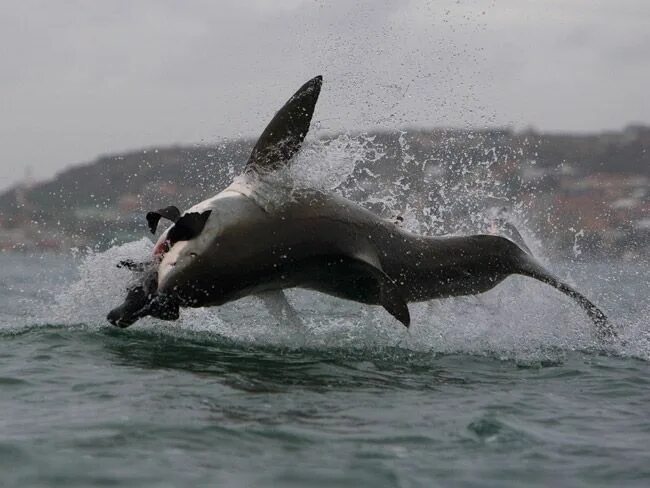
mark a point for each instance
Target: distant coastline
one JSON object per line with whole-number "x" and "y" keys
{"x": 589, "y": 192}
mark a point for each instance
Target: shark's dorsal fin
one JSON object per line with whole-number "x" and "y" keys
{"x": 285, "y": 133}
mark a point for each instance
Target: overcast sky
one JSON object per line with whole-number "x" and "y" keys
{"x": 82, "y": 78}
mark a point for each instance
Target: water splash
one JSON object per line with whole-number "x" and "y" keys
{"x": 326, "y": 164}
{"x": 100, "y": 284}
{"x": 520, "y": 319}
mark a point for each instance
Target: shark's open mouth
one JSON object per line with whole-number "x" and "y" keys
{"x": 161, "y": 249}
{"x": 142, "y": 298}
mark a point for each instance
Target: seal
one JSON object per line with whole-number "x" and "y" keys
{"x": 259, "y": 237}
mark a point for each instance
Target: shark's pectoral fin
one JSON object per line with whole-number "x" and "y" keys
{"x": 394, "y": 303}
{"x": 285, "y": 133}
{"x": 170, "y": 213}
{"x": 188, "y": 226}
{"x": 389, "y": 295}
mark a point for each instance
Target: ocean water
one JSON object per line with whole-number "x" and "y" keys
{"x": 505, "y": 389}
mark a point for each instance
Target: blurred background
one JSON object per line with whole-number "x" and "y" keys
{"x": 450, "y": 114}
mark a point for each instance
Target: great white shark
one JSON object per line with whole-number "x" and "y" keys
{"x": 258, "y": 237}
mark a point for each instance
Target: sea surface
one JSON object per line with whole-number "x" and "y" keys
{"x": 506, "y": 389}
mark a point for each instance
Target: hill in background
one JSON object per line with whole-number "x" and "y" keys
{"x": 596, "y": 185}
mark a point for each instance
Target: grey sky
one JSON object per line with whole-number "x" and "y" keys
{"x": 81, "y": 78}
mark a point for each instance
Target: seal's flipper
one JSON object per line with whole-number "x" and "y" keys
{"x": 170, "y": 213}
{"x": 131, "y": 265}
{"x": 188, "y": 226}
{"x": 287, "y": 130}
{"x": 604, "y": 329}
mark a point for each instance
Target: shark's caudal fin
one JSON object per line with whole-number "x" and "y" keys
{"x": 604, "y": 329}
{"x": 285, "y": 133}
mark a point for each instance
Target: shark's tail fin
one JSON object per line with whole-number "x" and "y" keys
{"x": 604, "y": 328}
{"x": 528, "y": 266}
